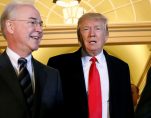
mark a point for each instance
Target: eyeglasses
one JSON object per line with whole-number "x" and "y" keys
{"x": 32, "y": 22}
{"x": 95, "y": 28}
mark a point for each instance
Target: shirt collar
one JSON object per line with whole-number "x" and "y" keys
{"x": 14, "y": 56}
{"x": 86, "y": 58}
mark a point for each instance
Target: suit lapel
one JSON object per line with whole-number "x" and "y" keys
{"x": 8, "y": 74}
{"x": 80, "y": 81}
{"x": 78, "y": 63}
{"x": 111, "y": 69}
{"x": 78, "y": 68}
{"x": 37, "y": 76}
{"x": 111, "y": 79}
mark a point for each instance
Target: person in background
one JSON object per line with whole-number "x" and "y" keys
{"x": 116, "y": 98}
{"x": 143, "y": 109}
{"x": 135, "y": 94}
{"x": 35, "y": 90}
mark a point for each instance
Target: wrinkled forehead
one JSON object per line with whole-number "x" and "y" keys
{"x": 26, "y": 11}
{"x": 91, "y": 21}
{"x": 96, "y": 17}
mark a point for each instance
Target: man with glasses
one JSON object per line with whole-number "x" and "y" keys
{"x": 111, "y": 78}
{"x": 28, "y": 89}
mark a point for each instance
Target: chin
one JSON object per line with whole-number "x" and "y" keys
{"x": 35, "y": 48}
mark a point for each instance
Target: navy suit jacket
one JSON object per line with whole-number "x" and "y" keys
{"x": 143, "y": 109}
{"x": 48, "y": 97}
{"x": 74, "y": 91}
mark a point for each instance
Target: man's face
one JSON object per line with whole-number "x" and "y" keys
{"x": 93, "y": 36}
{"x": 26, "y": 30}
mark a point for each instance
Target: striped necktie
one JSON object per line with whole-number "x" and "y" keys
{"x": 25, "y": 82}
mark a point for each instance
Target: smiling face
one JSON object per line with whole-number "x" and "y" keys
{"x": 92, "y": 35}
{"x": 24, "y": 30}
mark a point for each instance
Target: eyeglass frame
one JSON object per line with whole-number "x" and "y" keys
{"x": 32, "y": 21}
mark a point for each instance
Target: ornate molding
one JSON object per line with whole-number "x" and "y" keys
{"x": 130, "y": 33}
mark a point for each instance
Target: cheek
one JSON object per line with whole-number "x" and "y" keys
{"x": 24, "y": 31}
{"x": 85, "y": 41}
{"x": 85, "y": 37}
{"x": 19, "y": 35}
{"x": 102, "y": 37}
{"x": 82, "y": 38}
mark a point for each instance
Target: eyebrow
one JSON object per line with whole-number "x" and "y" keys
{"x": 33, "y": 18}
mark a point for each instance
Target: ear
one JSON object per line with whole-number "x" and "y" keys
{"x": 106, "y": 38}
{"x": 106, "y": 33}
{"x": 9, "y": 26}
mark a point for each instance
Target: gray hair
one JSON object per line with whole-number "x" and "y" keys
{"x": 92, "y": 16}
{"x": 8, "y": 13}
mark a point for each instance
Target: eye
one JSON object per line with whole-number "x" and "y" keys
{"x": 36, "y": 23}
{"x": 33, "y": 22}
{"x": 99, "y": 28}
{"x": 85, "y": 28}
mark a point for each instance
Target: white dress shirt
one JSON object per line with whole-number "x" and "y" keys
{"x": 14, "y": 60}
{"x": 104, "y": 79}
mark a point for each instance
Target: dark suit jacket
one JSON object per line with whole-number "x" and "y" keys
{"x": 48, "y": 92}
{"x": 143, "y": 109}
{"x": 75, "y": 96}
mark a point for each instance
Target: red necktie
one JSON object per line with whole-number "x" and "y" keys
{"x": 94, "y": 91}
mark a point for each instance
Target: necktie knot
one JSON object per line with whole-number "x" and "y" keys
{"x": 93, "y": 59}
{"x": 22, "y": 63}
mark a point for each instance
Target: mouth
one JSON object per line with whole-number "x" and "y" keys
{"x": 35, "y": 37}
{"x": 92, "y": 42}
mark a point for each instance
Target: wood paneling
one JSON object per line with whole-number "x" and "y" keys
{"x": 131, "y": 33}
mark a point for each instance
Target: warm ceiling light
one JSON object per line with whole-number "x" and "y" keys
{"x": 71, "y": 10}
{"x": 66, "y": 3}
{"x": 72, "y": 14}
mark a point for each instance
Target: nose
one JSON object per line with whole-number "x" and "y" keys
{"x": 92, "y": 32}
{"x": 38, "y": 28}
